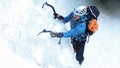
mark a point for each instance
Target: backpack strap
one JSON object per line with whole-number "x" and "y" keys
{"x": 88, "y": 38}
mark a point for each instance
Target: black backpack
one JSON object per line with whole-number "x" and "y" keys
{"x": 92, "y": 14}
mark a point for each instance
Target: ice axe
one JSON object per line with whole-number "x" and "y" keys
{"x": 44, "y": 31}
{"x": 54, "y": 12}
{"x": 48, "y": 31}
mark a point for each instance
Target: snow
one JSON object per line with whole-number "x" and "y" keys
{"x": 20, "y": 47}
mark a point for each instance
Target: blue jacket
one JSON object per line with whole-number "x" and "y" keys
{"x": 77, "y": 27}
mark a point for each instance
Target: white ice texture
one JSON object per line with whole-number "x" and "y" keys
{"x": 20, "y": 47}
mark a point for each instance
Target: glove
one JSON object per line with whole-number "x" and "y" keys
{"x": 54, "y": 34}
{"x": 56, "y": 15}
